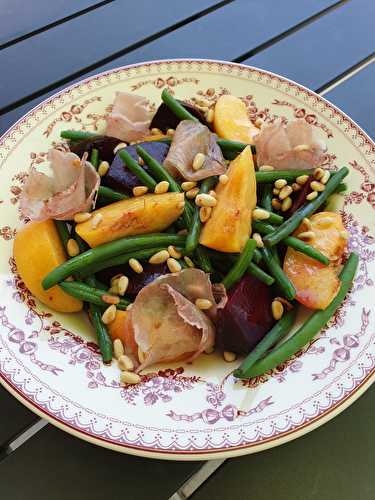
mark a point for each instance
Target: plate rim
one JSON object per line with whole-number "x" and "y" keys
{"x": 274, "y": 440}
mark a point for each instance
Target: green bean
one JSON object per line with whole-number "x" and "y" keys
{"x": 137, "y": 170}
{"x": 310, "y": 328}
{"x": 295, "y": 220}
{"x": 267, "y": 177}
{"x": 228, "y": 146}
{"x": 257, "y": 272}
{"x": 176, "y": 107}
{"x": 341, "y": 187}
{"x": 267, "y": 195}
{"x": 108, "y": 250}
{"x": 203, "y": 259}
{"x": 281, "y": 278}
{"x": 82, "y": 291}
{"x": 104, "y": 340}
{"x": 77, "y": 135}
{"x": 242, "y": 263}
{"x": 252, "y": 268}
{"x": 108, "y": 194}
{"x": 291, "y": 241}
{"x": 192, "y": 238}
{"x": 94, "y": 158}
{"x": 62, "y": 229}
{"x": 277, "y": 332}
{"x": 257, "y": 257}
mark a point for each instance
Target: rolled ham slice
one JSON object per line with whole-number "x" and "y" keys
{"x": 191, "y": 138}
{"x": 293, "y": 145}
{"x": 71, "y": 188}
{"x": 130, "y": 117}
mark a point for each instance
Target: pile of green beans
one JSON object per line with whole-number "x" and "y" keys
{"x": 83, "y": 291}
{"x": 241, "y": 265}
{"x": 284, "y": 283}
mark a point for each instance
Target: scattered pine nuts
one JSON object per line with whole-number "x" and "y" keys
{"x": 286, "y": 204}
{"x": 276, "y": 191}
{"x": 258, "y": 240}
{"x": 173, "y": 265}
{"x": 122, "y": 285}
{"x": 317, "y": 186}
{"x": 306, "y": 235}
{"x": 161, "y": 187}
{"x": 82, "y": 217}
{"x": 296, "y": 187}
{"x": 170, "y": 132}
{"x": 229, "y": 357}
{"x": 325, "y": 177}
{"x": 301, "y": 147}
{"x": 318, "y": 173}
{"x": 260, "y": 214}
{"x": 277, "y": 310}
{"x": 276, "y": 204}
{"x": 210, "y": 116}
{"x": 223, "y": 178}
{"x": 205, "y": 200}
{"x": 156, "y": 131}
{"x": 203, "y": 304}
{"x": 198, "y": 161}
{"x": 125, "y": 363}
{"x": 307, "y": 222}
{"x": 110, "y": 299}
{"x": 140, "y": 190}
{"x": 187, "y": 185}
{"x": 109, "y": 314}
{"x": 72, "y": 247}
{"x": 103, "y": 168}
{"x": 136, "y": 265}
{"x": 266, "y": 168}
{"x": 205, "y": 214}
{"x": 159, "y": 257}
{"x": 173, "y": 252}
{"x": 302, "y": 179}
{"x": 118, "y": 348}
{"x": 192, "y": 193}
{"x": 96, "y": 220}
{"x": 188, "y": 261}
{"x": 285, "y": 192}
{"x": 119, "y": 146}
{"x": 130, "y": 378}
{"x": 311, "y": 196}
{"x": 280, "y": 183}
{"x": 209, "y": 350}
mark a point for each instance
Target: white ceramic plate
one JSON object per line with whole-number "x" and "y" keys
{"x": 49, "y": 361}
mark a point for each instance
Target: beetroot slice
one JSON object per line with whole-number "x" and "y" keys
{"x": 164, "y": 118}
{"x": 103, "y": 143}
{"x": 246, "y": 317}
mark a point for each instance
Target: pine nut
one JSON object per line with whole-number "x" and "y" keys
{"x": 223, "y": 179}
{"x": 187, "y": 185}
{"x": 140, "y": 190}
{"x": 286, "y": 204}
{"x": 188, "y": 261}
{"x": 173, "y": 252}
{"x": 276, "y": 191}
{"x": 318, "y": 173}
{"x": 119, "y": 146}
{"x": 118, "y": 348}
{"x": 260, "y": 214}
{"x": 326, "y": 222}
{"x": 72, "y": 247}
{"x": 277, "y": 310}
{"x": 115, "y": 278}
{"x": 96, "y": 220}
{"x": 205, "y": 200}
{"x": 258, "y": 240}
{"x": 325, "y": 177}
{"x": 266, "y": 168}
{"x": 285, "y": 192}
{"x": 302, "y": 179}
{"x": 203, "y": 304}
{"x": 140, "y": 161}
{"x": 103, "y": 168}
{"x": 122, "y": 285}
{"x": 173, "y": 265}
{"x": 110, "y": 299}
{"x": 317, "y": 186}
{"x": 170, "y": 132}
{"x": 109, "y": 314}
{"x": 306, "y": 235}
{"x": 135, "y": 265}
{"x": 125, "y": 363}
{"x": 159, "y": 257}
{"x": 276, "y": 204}
{"x": 212, "y": 193}
{"x": 205, "y": 214}
{"x": 301, "y": 147}
{"x": 82, "y": 217}
{"x": 296, "y": 187}
{"x": 311, "y": 196}
{"x": 130, "y": 378}
{"x": 161, "y": 187}
{"x": 114, "y": 289}
{"x": 198, "y": 161}
{"x": 210, "y": 116}
{"x": 229, "y": 357}
{"x": 156, "y": 131}
{"x": 259, "y": 122}
{"x": 280, "y": 183}
{"x": 192, "y": 193}
{"x": 307, "y": 222}
{"x": 209, "y": 350}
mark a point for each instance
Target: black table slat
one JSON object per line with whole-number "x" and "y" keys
{"x": 333, "y": 462}
{"x": 70, "y": 47}
{"x": 59, "y": 467}
{"x": 326, "y": 48}
{"x": 14, "y": 417}
{"x": 356, "y": 96}
{"x": 35, "y": 15}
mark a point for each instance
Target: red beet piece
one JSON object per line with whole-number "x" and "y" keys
{"x": 103, "y": 143}
{"x": 246, "y": 317}
{"x": 164, "y": 118}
